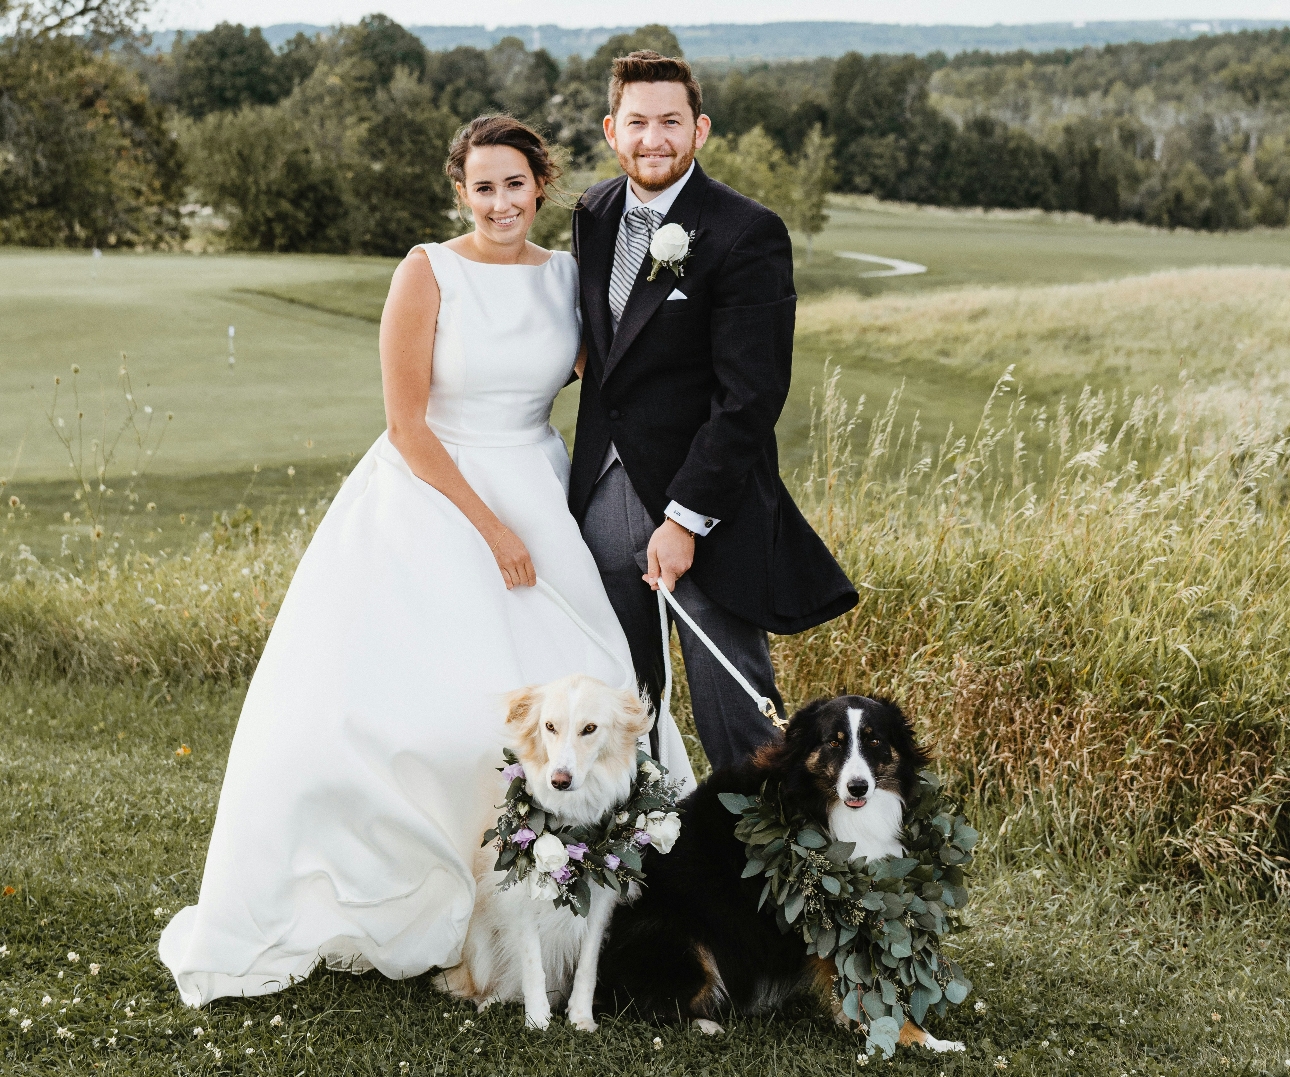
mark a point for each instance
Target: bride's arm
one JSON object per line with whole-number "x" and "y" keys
{"x": 407, "y": 350}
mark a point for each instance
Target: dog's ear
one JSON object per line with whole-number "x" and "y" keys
{"x": 806, "y": 714}
{"x": 904, "y": 740}
{"x": 637, "y": 717}
{"x": 522, "y": 709}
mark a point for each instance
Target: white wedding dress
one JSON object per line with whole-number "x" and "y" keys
{"x": 362, "y": 774}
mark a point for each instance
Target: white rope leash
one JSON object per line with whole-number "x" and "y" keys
{"x": 665, "y": 598}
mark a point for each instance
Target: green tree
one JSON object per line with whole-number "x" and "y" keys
{"x": 403, "y": 197}
{"x": 85, "y": 157}
{"x": 101, "y": 19}
{"x": 813, "y": 179}
{"x": 280, "y": 194}
{"x": 386, "y": 46}
{"x": 462, "y": 82}
{"x": 226, "y": 68}
{"x": 654, "y": 36}
{"x": 754, "y": 166}
{"x": 522, "y": 81}
{"x": 297, "y": 59}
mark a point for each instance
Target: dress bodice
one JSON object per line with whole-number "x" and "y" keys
{"x": 505, "y": 343}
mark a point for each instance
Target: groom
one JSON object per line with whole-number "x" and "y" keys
{"x": 675, "y": 468}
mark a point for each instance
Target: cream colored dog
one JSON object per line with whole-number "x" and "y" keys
{"x": 576, "y": 738}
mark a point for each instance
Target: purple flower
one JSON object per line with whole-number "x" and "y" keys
{"x": 612, "y": 862}
{"x": 576, "y": 852}
{"x": 562, "y": 875}
{"x": 641, "y": 837}
{"x": 523, "y": 837}
{"x": 515, "y": 770}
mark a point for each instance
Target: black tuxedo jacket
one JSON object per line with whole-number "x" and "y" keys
{"x": 689, "y": 390}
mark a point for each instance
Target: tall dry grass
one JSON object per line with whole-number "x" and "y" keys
{"x": 1088, "y": 612}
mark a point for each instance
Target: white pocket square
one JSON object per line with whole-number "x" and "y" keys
{"x": 678, "y": 294}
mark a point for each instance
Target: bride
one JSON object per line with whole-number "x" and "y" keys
{"x": 447, "y": 572}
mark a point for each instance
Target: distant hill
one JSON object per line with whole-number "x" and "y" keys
{"x": 805, "y": 40}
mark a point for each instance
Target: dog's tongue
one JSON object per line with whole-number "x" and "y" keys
{"x": 855, "y": 803}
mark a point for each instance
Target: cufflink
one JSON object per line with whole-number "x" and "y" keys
{"x": 707, "y": 522}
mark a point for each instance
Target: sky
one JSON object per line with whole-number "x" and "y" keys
{"x": 203, "y": 14}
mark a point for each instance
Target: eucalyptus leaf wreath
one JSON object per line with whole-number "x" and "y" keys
{"x": 881, "y": 921}
{"x": 561, "y": 862}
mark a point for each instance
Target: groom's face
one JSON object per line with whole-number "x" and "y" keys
{"x": 655, "y": 134}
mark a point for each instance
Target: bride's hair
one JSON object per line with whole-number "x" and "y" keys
{"x": 503, "y": 131}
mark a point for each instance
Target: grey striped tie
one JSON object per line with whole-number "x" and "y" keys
{"x": 637, "y": 229}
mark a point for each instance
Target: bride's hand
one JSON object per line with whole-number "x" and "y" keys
{"x": 513, "y": 559}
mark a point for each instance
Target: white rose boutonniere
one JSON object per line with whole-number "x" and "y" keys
{"x": 670, "y": 249}
{"x": 663, "y": 829}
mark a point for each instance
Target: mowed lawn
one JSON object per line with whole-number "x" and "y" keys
{"x": 304, "y": 391}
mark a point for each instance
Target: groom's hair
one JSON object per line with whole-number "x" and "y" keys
{"x": 646, "y": 65}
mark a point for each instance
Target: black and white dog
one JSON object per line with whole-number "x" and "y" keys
{"x": 694, "y": 945}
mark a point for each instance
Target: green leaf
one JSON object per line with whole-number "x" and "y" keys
{"x": 811, "y": 839}
{"x": 793, "y": 906}
{"x": 851, "y": 1004}
{"x": 839, "y": 852}
{"x": 765, "y": 891}
{"x": 883, "y": 1034}
{"x": 735, "y": 803}
{"x": 920, "y": 998}
{"x": 753, "y": 867}
{"x": 899, "y": 868}
{"x": 874, "y": 1007}
{"x": 873, "y": 901}
{"x": 831, "y": 884}
{"x": 888, "y": 990}
{"x": 536, "y": 820}
{"x": 957, "y": 990}
{"x": 825, "y": 941}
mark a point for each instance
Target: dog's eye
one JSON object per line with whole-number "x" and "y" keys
{"x": 591, "y": 728}
{"x": 550, "y": 728}
{"x": 872, "y": 742}
{"x": 838, "y": 740}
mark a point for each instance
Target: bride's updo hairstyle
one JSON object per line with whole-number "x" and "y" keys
{"x": 503, "y": 131}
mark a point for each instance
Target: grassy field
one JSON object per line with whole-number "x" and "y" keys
{"x": 1078, "y": 969}
{"x": 1083, "y": 604}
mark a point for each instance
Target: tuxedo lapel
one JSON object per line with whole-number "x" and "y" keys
{"x": 647, "y": 296}
{"x": 596, "y": 252}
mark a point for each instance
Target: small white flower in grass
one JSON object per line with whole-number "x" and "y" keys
{"x": 60, "y": 975}
{"x": 1216, "y": 1017}
{"x": 980, "y": 1006}
{"x": 25, "y": 1024}
{"x": 199, "y": 1032}
{"x": 95, "y": 968}
{"x": 65, "y": 1034}
{"x": 658, "y": 1043}
{"x": 291, "y": 471}
{"x": 276, "y": 1020}
{"x": 73, "y": 957}
{"x": 250, "y": 1050}
{"x": 159, "y": 912}
{"x": 111, "y": 1041}
{"x": 478, "y": 1050}
{"x": 76, "y": 1001}
{"x": 403, "y": 1067}
{"x": 13, "y": 1011}
{"x": 246, "y": 1023}
{"x": 46, "y": 1001}
{"x": 862, "y": 1060}
{"x": 214, "y": 1050}
{"x": 1000, "y": 1063}
{"x": 1044, "y": 1044}
{"x": 1071, "y": 1052}
{"x": 4, "y": 951}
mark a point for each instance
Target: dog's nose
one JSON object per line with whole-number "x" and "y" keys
{"x": 561, "y": 779}
{"x": 857, "y": 787}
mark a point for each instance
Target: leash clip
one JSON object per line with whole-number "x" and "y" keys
{"x": 769, "y": 709}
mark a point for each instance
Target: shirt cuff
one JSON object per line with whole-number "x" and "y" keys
{"x": 691, "y": 521}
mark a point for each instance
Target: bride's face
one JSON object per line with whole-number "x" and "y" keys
{"x": 500, "y": 192}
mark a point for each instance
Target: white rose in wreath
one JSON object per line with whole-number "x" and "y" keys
{"x": 549, "y": 853}
{"x": 663, "y": 830}
{"x": 541, "y": 886}
{"x": 671, "y": 243}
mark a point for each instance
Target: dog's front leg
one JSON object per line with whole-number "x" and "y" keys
{"x": 537, "y": 1007}
{"x": 584, "y": 979}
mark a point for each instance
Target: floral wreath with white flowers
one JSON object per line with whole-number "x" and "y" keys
{"x": 669, "y": 248}
{"x": 561, "y": 862}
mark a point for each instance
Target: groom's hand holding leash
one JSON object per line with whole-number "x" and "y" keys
{"x": 671, "y": 553}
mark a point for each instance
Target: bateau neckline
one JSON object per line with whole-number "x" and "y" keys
{"x": 499, "y": 265}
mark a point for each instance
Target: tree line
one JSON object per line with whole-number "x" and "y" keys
{"x": 334, "y": 143}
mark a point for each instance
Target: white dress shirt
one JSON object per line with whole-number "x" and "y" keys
{"x": 661, "y": 203}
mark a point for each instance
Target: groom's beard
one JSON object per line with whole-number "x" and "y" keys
{"x": 680, "y": 165}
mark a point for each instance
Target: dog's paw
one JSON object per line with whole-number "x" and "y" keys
{"x": 943, "y": 1046}
{"x": 538, "y": 1019}
{"x": 708, "y": 1028}
{"x": 583, "y": 1022}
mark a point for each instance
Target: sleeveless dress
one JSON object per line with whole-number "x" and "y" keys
{"x": 362, "y": 777}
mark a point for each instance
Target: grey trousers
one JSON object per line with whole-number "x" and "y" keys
{"x": 617, "y": 529}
